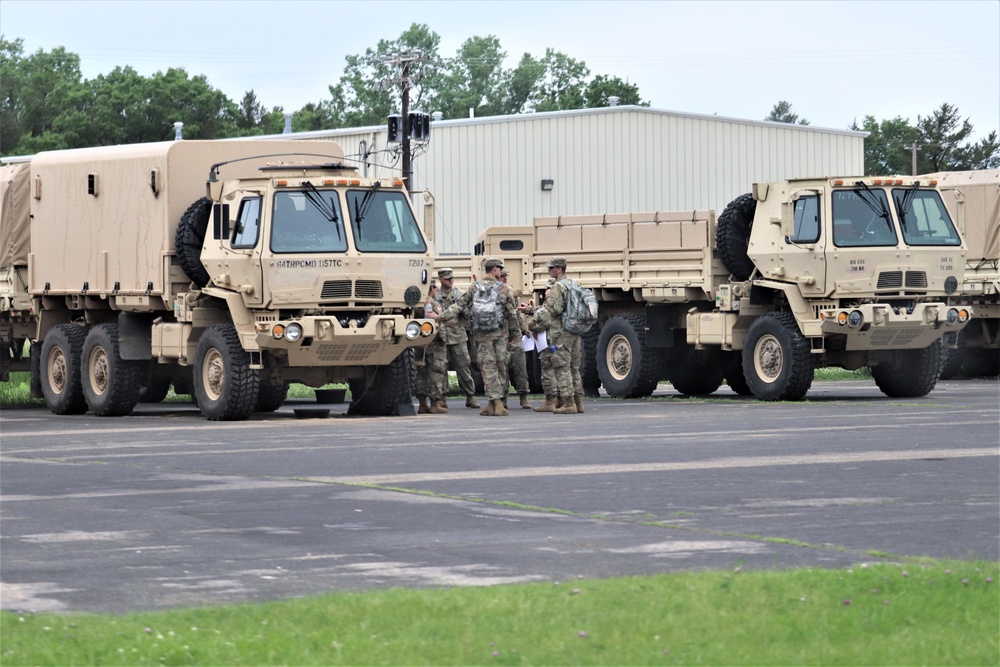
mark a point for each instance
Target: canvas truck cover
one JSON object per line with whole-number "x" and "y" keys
{"x": 107, "y": 217}
{"x": 981, "y": 189}
{"x": 14, "y": 215}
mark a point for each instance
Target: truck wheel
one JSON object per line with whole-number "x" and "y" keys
{"x": 155, "y": 391}
{"x": 190, "y": 238}
{"x": 911, "y": 373}
{"x": 386, "y": 388}
{"x": 110, "y": 384}
{"x": 777, "y": 362}
{"x": 626, "y": 366}
{"x": 732, "y": 370}
{"x": 694, "y": 372}
{"x": 732, "y": 236}
{"x": 225, "y": 386}
{"x": 588, "y": 362}
{"x": 269, "y": 397}
{"x": 60, "y": 370}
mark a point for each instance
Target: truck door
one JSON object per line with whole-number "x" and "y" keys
{"x": 244, "y": 240}
{"x": 805, "y": 259}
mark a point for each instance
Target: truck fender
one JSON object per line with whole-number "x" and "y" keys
{"x": 239, "y": 315}
{"x": 798, "y": 304}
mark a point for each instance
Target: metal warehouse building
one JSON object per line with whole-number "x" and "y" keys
{"x": 479, "y": 172}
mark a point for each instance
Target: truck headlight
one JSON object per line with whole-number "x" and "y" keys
{"x": 412, "y": 330}
{"x": 293, "y": 332}
{"x": 855, "y": 319}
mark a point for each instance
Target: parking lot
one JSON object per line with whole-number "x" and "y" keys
{"x": 164, "y": 509}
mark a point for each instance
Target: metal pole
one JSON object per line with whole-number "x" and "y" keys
{"x": 913, "y": 149}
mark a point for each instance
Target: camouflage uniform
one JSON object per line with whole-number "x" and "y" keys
{"x": 545, "y": 369}
{"x": 568, "y": 355}
{"x": 517, "y": 367}
{"x": 491, "y": 346}
{"x": 457, "y": 341}
{"x": 432, "y": 377}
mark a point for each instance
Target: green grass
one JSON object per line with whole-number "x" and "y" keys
{"x": 887, "y": 614}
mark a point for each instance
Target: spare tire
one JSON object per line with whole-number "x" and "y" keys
{"x": 190, "y": 238}
{"x": 732, "y": 236}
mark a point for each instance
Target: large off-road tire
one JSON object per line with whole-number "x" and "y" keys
{"x": 777, "y": 362}
{"x": 110, "y": 383}
{"x": 190, "y": 238}
{"x": 269, "y": 397}
{"x": 911, "y": 373}
{"x": 628, "y": 368}
{"x": 588, "y": 362}
{"x": 732, "y": 236}
{"x": 694, "y": 372}
{"x": 155, "y": 391}
{"x": 60, "y": 370}
{"x": 225, "y": 386}
{"x": 384, "y": 390}
{"x": 732, "y": 371}
{"x": 534, "y": 368}
{"x": 982, "y": 362}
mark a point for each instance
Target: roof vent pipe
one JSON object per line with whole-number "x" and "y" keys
{"x": 288, "y": 124}
{"x": 472, "y": 112}
{"x": 613, "y": 101}
{"x": 178, "y": 131}
{"x": 437, "y": 115}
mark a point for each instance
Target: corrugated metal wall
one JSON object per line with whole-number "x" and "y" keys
{"x": 488, "y": 171}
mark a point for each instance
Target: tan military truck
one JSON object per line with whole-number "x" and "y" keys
{"x": 233, "y": 267}
{"x": 973, "y": 200}
{"x": 17, "y": 325}
{"x": 797, "y": 275}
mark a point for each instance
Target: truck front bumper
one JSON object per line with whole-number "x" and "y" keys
{"x": 328, "y": 341}
{"x": 877, "y": 326}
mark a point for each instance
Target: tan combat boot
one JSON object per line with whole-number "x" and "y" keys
{"x": 578, "y": 399}
{"x": 470, "y": 401}
{"x": 564, "y": 407}
{"x": 489, "y": 410}
{"x": 548, "y": 406}
{"x": 504, "y": 401}
{"x": 424, "y": 408}
{"x": 524, "y": 401}
{"x": 500, "y": 409}
{"x": 438, "y": 408}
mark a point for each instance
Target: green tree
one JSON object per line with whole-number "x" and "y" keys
{"x": 885, "y": 152}
{"x": 944, "y": 144}
{"x": 475, "y": 79}
{"x": 602, "y": 87}
{"x": 562, "y": 84}
{"x": 782, "y": 113}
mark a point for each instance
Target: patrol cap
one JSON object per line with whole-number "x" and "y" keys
{"x": 446, "y": 273}
{"x": 556, "y": 262}
{"x": 492, "y": 262}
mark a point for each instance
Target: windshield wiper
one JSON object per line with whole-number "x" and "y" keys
{"x": 902, "y": 206}
{"x": 881, "y": 210}
{"x": 316, "y": 199}
{"x": 361, "y": 208}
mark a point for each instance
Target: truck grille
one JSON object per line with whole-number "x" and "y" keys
{"x": 894, "y": 280}
{"x": 343, "y": 289}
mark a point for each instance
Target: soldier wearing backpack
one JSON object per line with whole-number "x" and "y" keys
{"x": 492, "y": 311}
{"x": 456, "y": 340}
{"x": 567, "y": 356}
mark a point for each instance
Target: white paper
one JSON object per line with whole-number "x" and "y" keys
{"x": 528, "y": 342}
{"x": 540, "y": 341}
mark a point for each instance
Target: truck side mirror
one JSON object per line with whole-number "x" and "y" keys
{"x": 787, "y": 219}
{"x": 213, "y": 190}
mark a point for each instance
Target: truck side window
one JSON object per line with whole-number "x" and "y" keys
{"x": 806, "y": 220}
{"x": 247, "y": 223}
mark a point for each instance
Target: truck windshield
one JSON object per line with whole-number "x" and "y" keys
{"x": 861, "y": 218}
{"x": 299, "y": 225}
{"x": 383, "y": 222}
{"x": 923, "y": 217}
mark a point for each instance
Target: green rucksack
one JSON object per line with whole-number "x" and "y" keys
{"x": 581, "y": 308}
{"x": 487, "y": 312}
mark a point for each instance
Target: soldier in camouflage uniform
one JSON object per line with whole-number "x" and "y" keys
{"x": 545, "y": 365}
{"x": 456, "y": 338}
{"x": 491, "y": 346}
{"x": 568, "y": 355}
{"x": 517, "y": 367}
{"x": 432, "y": 377}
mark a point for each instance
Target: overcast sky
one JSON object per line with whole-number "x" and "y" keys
{"x": 834, "y": 61}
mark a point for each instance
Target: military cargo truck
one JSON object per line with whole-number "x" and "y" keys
{"x": 796, "y": 275}
{"x": 973, "y": 200}
{"x": 233, "y": 267}
{"x": 17, "y": 325}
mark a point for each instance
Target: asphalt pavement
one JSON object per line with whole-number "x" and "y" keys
{"x": 164, "y": 509}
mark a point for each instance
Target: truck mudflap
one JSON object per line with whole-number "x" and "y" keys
{"x": 881, "y": 326}
{"x": 329, "y": 341}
